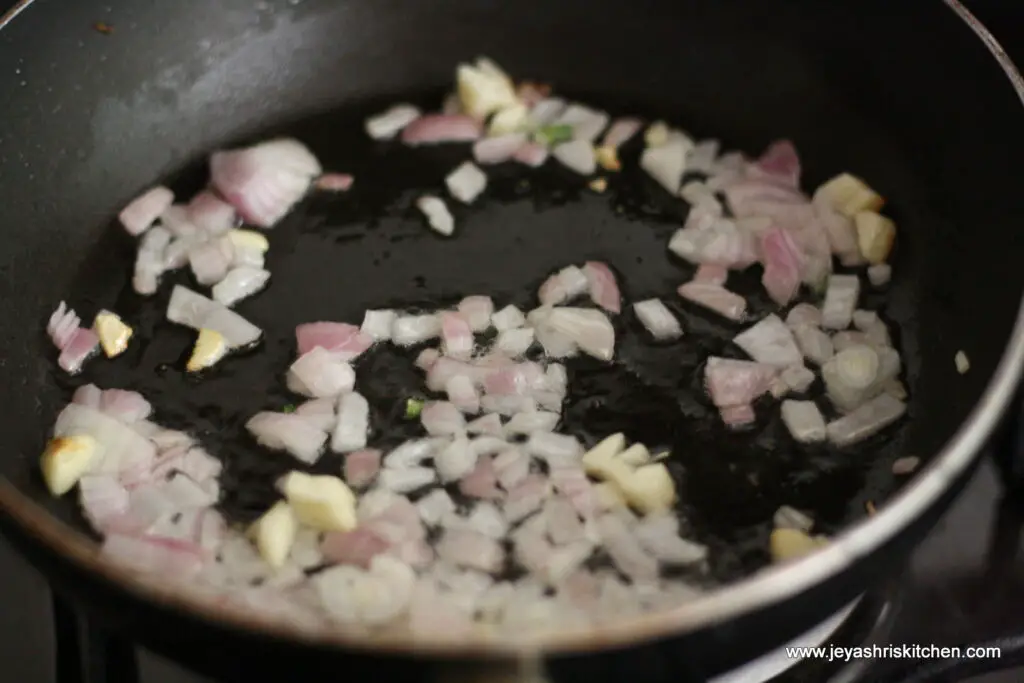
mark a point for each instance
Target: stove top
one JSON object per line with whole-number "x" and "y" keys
{"x": 964, "y": 584}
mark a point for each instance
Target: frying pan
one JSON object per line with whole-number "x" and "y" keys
{"x": 923, "y": 103}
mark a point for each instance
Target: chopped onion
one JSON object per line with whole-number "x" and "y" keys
{"x": 659, "y": 321}
{"x": 238, "y": 284}
{"x": 804, "y": 421}
{"x": 715, "y": 298}
{"x": 658, "y": 533}
{"x": 353, "y": 423}
{"x": 586, "y": 123}
{"x": 209, "y": 262}
{"x": 498, "y": 149}
{"x": 335, "y": 182}
{"x": 210, "y": 214}
{"x": 319, "y": 412}
{"x": 701, "y": 157}
{"x": 196, "y": 311}
{"x": 455, "y": 460}
{"x": 621, "y": 131}
{"x": 435, "y": 506}
{"x": 140, "y": 213}
{"x": 288, "y": 432}
{"x": 377, "y": 324}
{"x": 547, "y": 111}
{"x": 787, "y": 517}
{"x": 962, "y": 362}
{"x": 463, "y": 394}
{"x": 470, "y": 549}
{"x": 526, "y": 497}
{"x": 435, "y": 129}
{"x": 587, "y": 328}
{"x": 128, "y": 407}
{"x": 456, "y": 335}
{"x": 565, "y": 285}
{"x": 410, "y": 454}
{"x": 667, "y": 163}
{"x": 409, "y": 330}
{"x": 577, "y": 156}
{"x": 361, "y": 467}
{"x": 344, "y": 341}
{"x": 625, "y": 550}
{"x": 797, "y": 378}
{"x": 489, "y": 424}
{"x": 511, "y": 466}
{"x": 149, "y": 261}
{"x": 84, "y": 345}
{"x": 263, "y": 182}
{"x": 390, "y": 123}
{"x": 736, "y": 382}
{"x": 770, "y": 342}
{"x": 901, "y": 467}
{"x": 866, "y": 421}
{"x": 840, "y": 301}
{"x": 515, "y": 342}
{"x": 532, "y": 154}
{"x": 466, "y": 182}
{"x": 803, "y": 314}
{"x": 406, "y": 480}
{"x": 879, "y": 274}
{"x": 441, "y": 418}
{"x": 438, "y": 216}
{"x": 604, "y": 290}
{"x": 508, "y": 318}
{"x": 554, "y": 448}
{"x": 319, "y": 374}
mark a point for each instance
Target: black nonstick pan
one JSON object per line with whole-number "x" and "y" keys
{"x": 920, "y": 101}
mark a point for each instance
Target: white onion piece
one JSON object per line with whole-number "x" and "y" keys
{"x": 175, "y": 559}
{"x": 697, "y": 193}
{"x": 797, "y": 378}
{"x": 390, "y": 123}
{"x": 353, "y": 423}
{"x": 532, "y": 154}
{"x": 508, "y": 318}
{"x": 701, "y": 157}
{"x": 879, "y": 274}
{"x": 245, "y": 255}
{"x": 770, "y": 342}
{"x": 477, "y": 311}
{"x": 804, "y": 421}
{"x": 319, "y": 374}
{"x": 658, "y": 533}
{"x": 568, "y": 283}
{"x": 462, "y": 393}
{"x": 62, "y": 325}
{"x": 196, "y": 311}
{"x": 495, "y": 150}
{"x": 456, "y": 335}
{"x": 586, "y": 123}
{"x": 515, "y": 342}
{"x": 736, "y": 382}
{"x": 435, "y": 506}
{"x": 587, "y": 328}
{"x": 433, "y": 129}
{"x": 88, "y": 395}
{"x": 556, "y": 449}
{"x": 547, "y": 111}
{"x": 667, "y": 163}
{"x": 866, "y": 421}
{"x": 319, "y": 412}
{"x": 858, "y": 373}
{"x": 466, "y": 182}
{"x": 176, "y": 220}
{"x": 263, "y": 182}
{"x": 122, "y": 447}
{"x": 715, "y": 298}
{"x": 577, "y": 155}
{"x": 857, "y": 366}
{"x": 659, "y": 321}
{"x": 441, "y": 418}
{"x": 406, "y": 480}
{"x": 814, "y": 343}
{"x": 625, "y": 550}
{"x": 511, "y": 466}
{"x": 621, "y": 131}
{"x": 840, "y": 301}
{"x": 489, "y": 424}
{"x": 410, "y": 453}
{"x": 102, "y": 498}
{"x": 455, "y": 460}
{"x": 555, "y": 343}
{"x": 528, "y": 423}
{"x": 438, "y": 216}
{"x": 209, "y": 261}
{"x": 149, "y": 261}
{"x": 140, "y": 213}
{"x": 238, "y": 284}
{"x": 470, "y": 549}
{"x": 426, "y": 358}
{"x": 377, "y": 324}
{"x": 721, "y": 242}
{"x": 803, "y": 314}
{"x": 210, "y": 214}
{"x": 409, "y": 330}
{"x": 507, "y": 405}
{"x": 125, "y": 406}
{"x": 288, "y": 432}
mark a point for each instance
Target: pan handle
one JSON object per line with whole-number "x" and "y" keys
{"x": 524, "y": 669}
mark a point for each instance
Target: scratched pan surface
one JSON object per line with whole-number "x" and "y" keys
{"x": 93, "y": 118}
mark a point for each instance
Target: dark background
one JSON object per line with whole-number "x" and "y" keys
{"x": 27, "y": 642}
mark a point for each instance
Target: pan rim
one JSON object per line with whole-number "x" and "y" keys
{"x": 772, "y": 585}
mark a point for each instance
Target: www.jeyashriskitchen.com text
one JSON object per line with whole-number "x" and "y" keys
{"x": 835, "y": 653}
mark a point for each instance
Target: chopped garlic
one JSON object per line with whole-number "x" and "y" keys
{"x": 962, "y": 362}
{"x": 114, "y": 334}
{"x": 850, "y": 195}
{"x": 509, "y": 120}
{"x": 608, "y": 157}
{"x": 789, "y": 544}
{"x": 210, "y": 347}
{"x": 636, "y": 455}
{"x": 875, "y": 236}
{"x": 249, "y": 239}
{"x": 650, "y": 489}
{"x": 599, "y": 460}
{"x": 321, "y": 502}
{"x": 66, "y": 459}
{"x": 484, "y": 88}
{"x": 656, "y": 134}
{"x": 274, "y": 533}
